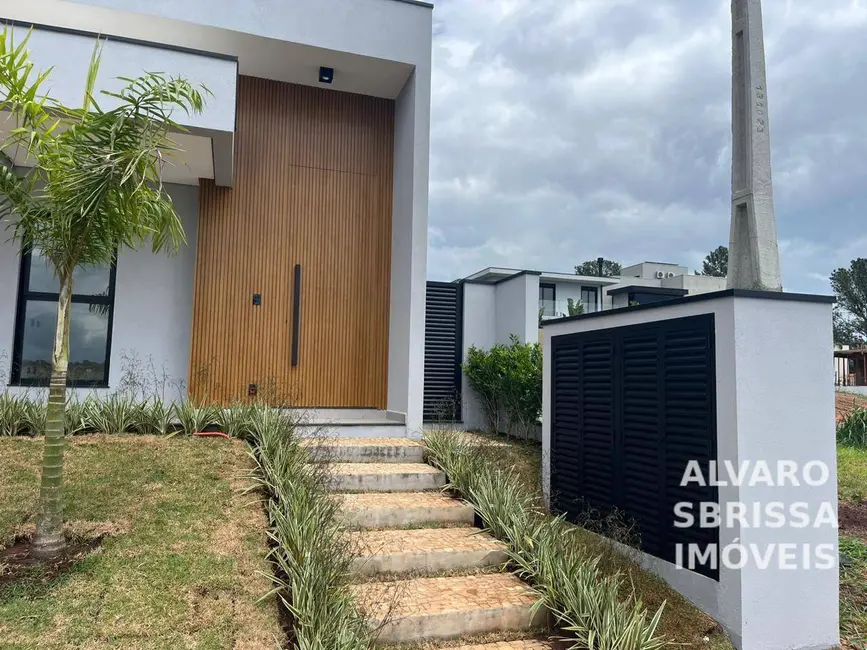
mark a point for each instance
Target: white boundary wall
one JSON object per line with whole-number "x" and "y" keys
{"x": 775, "y": 401}
{"x": 492, "y": 313}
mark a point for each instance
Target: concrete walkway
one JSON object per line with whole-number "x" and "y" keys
{"x": 423, "y": 567}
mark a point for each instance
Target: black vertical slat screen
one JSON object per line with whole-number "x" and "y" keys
{"x": 443, "y": 335}
{"x": 631, "y": 406}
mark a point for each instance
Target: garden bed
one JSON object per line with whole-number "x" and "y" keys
{"x": 681, "y": 623}
{"x": 169, "y": 552}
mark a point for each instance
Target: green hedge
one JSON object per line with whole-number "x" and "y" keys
{"x": 507, "y": 379}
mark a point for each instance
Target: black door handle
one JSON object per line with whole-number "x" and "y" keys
{"x": 296, "y": 314}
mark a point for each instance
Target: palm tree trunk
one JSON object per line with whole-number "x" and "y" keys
{"x": 49, "y": 540}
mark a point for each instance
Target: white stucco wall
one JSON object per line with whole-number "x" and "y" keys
{"x": 517, "y": 309}
{"x": 648, "y": 270}
{"x": 695, "y": 283}
{"x": 69, "y": 56}
{"x": 153, "y": 303}
{"x": 409, "y": 249}
{"x": 855, "y": 390}
{"x": 773, "y": 403}
{"x": 479, "y": 330}
{"x": 385, "y": 29}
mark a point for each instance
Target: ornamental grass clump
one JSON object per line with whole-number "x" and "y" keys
{"x": 588, "y": 603}
{"x": 13, "y": 414}
{"x": 852, "y": 429}
{"x": 311, "y": 554}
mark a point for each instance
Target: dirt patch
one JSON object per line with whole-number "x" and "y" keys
{"x": 853, "y": 520}
{"x": 18, "y": 563}
{"x": 846, "y": 402}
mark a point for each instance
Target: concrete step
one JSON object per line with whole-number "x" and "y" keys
{"x": 385, "y": 477}
{"x": 426, "y": 549}
{"x": 362, "y": 428}
{"x": 366, "y": 450}
{"x": 401, "y": 509}
{"x": 428, "y": 609}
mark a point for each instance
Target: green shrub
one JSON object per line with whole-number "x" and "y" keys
{"x": 587, "y": 603}
{"x": 507, "y": 379}
{"x": 311, "y": 552}
{"x": 852, "y": 430}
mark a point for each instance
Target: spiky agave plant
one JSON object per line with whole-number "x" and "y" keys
{"x": 194, "y": 417}
{"x": 13, "y": 414}
{"x": 311, "y": 554}
{"x": 153, "y": 416}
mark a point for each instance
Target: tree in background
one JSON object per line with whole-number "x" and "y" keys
{"x": 850, "y": 312}
{"x": 94, "y": 186}
{"x": 599, "y": 267}
{"x": 716, "y": 264}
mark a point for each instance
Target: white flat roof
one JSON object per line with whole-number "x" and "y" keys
{"x": 495, "y": 273}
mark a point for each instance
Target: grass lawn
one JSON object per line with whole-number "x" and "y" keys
{"x": 852, "y": 486}
{"x": 852, "y": 474}
{"x": 178, "y": 567}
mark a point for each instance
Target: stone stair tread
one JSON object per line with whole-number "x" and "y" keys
{"x": 402, "y": 509}
{"x": 508, "y": 645}
{"x": 424, "y": 540}
{"x": 343, "y": 469}
{"x": 454, "y": 594}
{"x": 398, "y": 500}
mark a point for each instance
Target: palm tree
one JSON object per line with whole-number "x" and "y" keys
{"x": 90, "y": 185}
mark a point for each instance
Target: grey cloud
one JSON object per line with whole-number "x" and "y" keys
{"x": 564, "y": 130}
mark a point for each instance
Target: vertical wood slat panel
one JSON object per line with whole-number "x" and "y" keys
{"x": 313, "y": 186}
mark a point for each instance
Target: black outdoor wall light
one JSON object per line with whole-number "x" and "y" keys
{"x": 326, "y": 75}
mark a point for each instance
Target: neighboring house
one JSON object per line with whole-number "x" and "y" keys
{"x": 850, "y": 369}
{"x": 303, "y": 189}
{"x": 491, "y": 306}
{"x": 648, "y": 282}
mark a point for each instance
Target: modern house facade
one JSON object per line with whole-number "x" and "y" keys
{"x": 302, "y": 188}
{"x": 493, "y": 305}
{"x": 643, "y": 283}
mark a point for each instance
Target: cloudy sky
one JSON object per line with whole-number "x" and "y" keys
{"x": 567, "y": 129}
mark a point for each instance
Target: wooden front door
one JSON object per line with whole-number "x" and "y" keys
{"x": 312, "y": 190}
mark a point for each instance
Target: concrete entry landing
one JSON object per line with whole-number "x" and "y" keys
{"x": 339, "y": 424}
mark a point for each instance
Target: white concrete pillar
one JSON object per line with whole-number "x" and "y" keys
{"x": 775, "y": 410}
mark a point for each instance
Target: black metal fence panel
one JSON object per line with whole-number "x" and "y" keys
{"x": 631, "y": 407}
{"x": 443, "y": 335}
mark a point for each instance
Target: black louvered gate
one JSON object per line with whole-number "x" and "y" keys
{"x": 443, "y": 334}
{"x": 631, "y": 406}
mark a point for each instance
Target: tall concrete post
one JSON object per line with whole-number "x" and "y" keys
{"x": 754, "y": 259}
